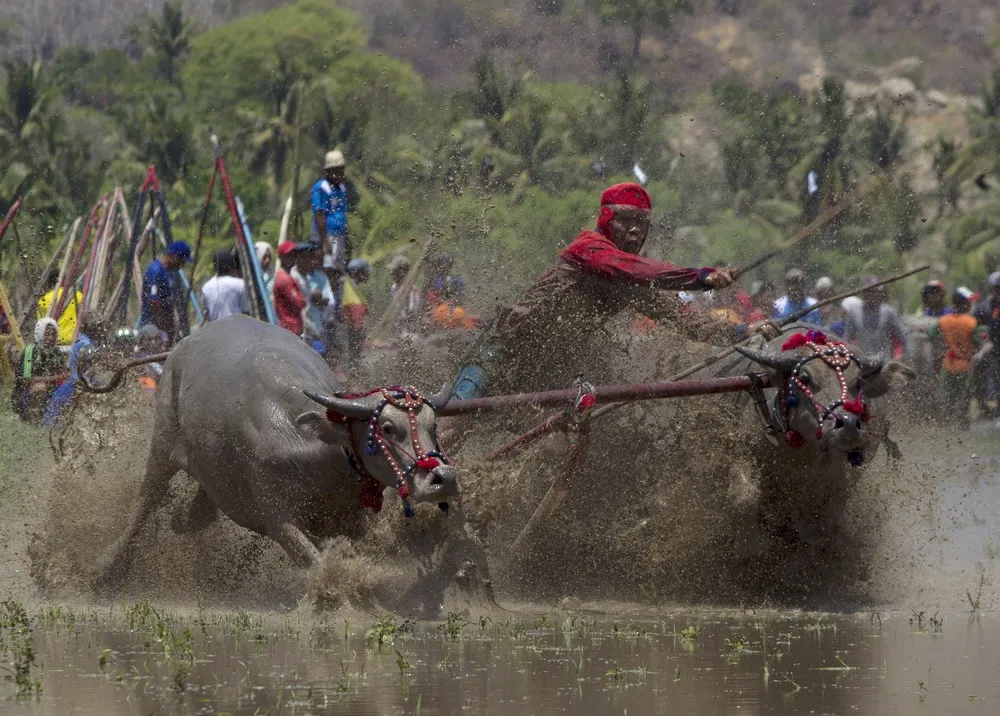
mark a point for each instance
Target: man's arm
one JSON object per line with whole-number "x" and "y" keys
{"x": 596, "y": 255}
{"x": 318, "y": 203}
{"x": 665, "y": 307}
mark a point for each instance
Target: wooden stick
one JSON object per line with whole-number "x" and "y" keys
{"x": 827, "y": 215}
{"x": 65, "y": 265}
{"x": 402, "y": 294}
{"x": 39, "y": 289}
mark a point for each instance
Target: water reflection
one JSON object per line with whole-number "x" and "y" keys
{"x": 704, "y": 663}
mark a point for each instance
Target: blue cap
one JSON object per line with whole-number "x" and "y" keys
{"x": 356, "y": 265}
{"x": 180, "y": 249}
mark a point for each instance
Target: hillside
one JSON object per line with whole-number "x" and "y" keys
{"x": 762, "y": 39}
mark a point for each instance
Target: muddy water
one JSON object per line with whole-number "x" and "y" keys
{"x": 680, "y": 662}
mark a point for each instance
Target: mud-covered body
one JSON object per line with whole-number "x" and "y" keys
{"x": 232, "y": 413}
{"x": 802, "y": 461}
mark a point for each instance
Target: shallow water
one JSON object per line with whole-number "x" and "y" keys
{"x": 680, "y": 662}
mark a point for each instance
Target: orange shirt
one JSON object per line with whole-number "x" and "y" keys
{"x": 450, "y": 316}
{"x": 958, "y": 331}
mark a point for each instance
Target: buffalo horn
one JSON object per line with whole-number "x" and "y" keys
{"x": 439, "y": 400}
{"x": 356, "y": 409}
{"x": 870, "y": 367}
{"x": 782, "y": 364}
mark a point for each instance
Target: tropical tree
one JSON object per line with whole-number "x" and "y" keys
{"x": 637, "y": 15}
{"x": 169, "y": 37}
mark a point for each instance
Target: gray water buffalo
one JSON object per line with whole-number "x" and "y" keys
{"x": 823, "y": 422}
{"x": 255, "y": 416}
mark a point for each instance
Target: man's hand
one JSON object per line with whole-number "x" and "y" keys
{"x": 720, "y": 278}
{"x": 769, "y": 329}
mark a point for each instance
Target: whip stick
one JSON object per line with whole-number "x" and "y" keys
{"x": 560, "y": 418}
{"x": 826, "y": 216}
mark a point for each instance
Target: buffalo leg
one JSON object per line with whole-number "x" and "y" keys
{"x": 749, "y": 540}
{"x": 119, "y": 559}
{"x": 200, "y": 514}
{"x": 299, "y": 547}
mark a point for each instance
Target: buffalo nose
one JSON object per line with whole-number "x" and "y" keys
{"x": 446, "y": 477}
{"x": 838, "y": 421}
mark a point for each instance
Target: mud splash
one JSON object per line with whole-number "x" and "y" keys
{"x": 646, "y": 519}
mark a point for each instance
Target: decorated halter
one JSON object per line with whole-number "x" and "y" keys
{"x": 409, "y": 400}
{"x": 838, "y": 357}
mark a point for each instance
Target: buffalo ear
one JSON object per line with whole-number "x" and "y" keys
{"x": 315, "y": 424}
{"x": 893, "y": 376}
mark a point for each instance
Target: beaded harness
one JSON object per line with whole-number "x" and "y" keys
{"x": 838, "y": 357}
{"x": 409, "y": 400}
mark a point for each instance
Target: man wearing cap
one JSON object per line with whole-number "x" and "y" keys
{"x": 330, "y": 198}
{"x": 158, "y": 289}
{"x": 796, "y": 299}
{"x": 539, "y": 342}
{"x": 288, "y": 300}
{"x": 987, "y": 379}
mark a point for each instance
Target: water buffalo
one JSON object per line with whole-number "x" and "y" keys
{"x": 256, "y": 418}
{"x": 825, "y": 420}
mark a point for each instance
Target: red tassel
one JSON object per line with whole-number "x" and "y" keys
{"x": 371, "y": 494}
{"x": 794, "y": 439}
{"x": 336, "y": 418}
{"x": 428, "y": 463}
{"x": 817, "y": 337}
{"x": 586, "y": 402}
{"x": 796, "y": 341}
{"x": 404, "y": 491}
{"x": 858, "y": 407}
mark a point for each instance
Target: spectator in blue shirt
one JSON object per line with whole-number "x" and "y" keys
{"x": 796, "y": 299}
{"x": 158, "y": 289}
{"x": 329, "y": 206}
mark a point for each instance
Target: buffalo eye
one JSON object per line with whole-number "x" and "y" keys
{"x": 388, "y": 429}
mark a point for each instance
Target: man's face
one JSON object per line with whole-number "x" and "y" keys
{"x": 265, "y": 262}
{"x": 171, "y": 262}
{"x": 934, "y": 299}
{"x": 51, "y": 336}
{"x": 796, "y": 289}
{"x": 629, "y": 228}
{"x": 335, "y": 175}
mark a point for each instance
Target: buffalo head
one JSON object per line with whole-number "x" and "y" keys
{"x": 816, "y": 413}
{"x": 393, "y": 446}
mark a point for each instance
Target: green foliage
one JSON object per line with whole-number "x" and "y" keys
{"x": 257, "y": 59}
{"x": 169, "y": 37}
{"x": 637, "y": 14}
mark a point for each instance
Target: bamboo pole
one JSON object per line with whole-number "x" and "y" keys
{"x": 402, "y": 294}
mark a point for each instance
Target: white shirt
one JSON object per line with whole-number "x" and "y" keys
{"x": 225, "y": 296}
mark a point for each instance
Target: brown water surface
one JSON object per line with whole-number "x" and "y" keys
{"x": 144, "y": 661}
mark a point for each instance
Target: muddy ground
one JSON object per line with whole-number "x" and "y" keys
{"x": 645, "y": 520}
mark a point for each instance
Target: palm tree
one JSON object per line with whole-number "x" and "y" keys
{"x": 169, "y": 36}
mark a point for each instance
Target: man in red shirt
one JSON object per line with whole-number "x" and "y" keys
{"x": 288, "y": 299}
{"x": 542, "y": 341}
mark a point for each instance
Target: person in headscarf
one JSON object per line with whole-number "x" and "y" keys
{"x": 42, "y": 370}
{"x": 93, "y": 333}
{"x": 265, "y": 257}
{"x": 540, "y": 341}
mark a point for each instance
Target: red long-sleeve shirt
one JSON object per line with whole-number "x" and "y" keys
{"x": 596, "y": 255}
{"x": 288, "y": 302}
{"x": 546, "y": 338}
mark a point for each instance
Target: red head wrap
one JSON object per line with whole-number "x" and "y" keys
{"x": 627, "y": 194}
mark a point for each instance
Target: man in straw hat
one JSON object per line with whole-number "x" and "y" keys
{"x": 329, "y": 206}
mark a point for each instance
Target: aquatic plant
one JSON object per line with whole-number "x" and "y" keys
{"x": 382, "y": 631}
